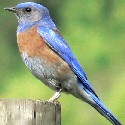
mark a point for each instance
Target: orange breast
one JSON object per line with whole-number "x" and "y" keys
{"x": 31, "y": 43}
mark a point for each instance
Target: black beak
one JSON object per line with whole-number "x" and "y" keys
{"x": 13, "y": 9}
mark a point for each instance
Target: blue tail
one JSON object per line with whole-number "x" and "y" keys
{"x": 99, "y": 106}
{"x": 102, "y": 109}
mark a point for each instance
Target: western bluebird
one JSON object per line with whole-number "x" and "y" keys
{"x": 49, "y": 58}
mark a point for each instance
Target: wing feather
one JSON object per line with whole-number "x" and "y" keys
{"x": 59, "y": 45}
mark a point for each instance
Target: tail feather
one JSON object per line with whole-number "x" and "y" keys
{"x": 92, "y": 99}
{"x": 102, "y": 109}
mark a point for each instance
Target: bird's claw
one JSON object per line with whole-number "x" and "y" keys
{"x": 55, "y": 96}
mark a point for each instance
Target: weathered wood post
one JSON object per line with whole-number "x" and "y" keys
{"x": 29, "y": 112}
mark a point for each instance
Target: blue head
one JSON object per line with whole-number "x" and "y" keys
{"x": 30, "y": 13}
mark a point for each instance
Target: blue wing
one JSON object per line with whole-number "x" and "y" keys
{"x": 59, "y": 45}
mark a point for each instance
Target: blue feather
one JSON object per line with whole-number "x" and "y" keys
{"x": 59, "y": 45}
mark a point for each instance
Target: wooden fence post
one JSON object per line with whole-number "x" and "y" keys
{"x": 29, "y": 112}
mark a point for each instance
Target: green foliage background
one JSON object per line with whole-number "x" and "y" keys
{"x": 95, "y": 30}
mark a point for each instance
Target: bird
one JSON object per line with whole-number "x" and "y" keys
{"x": 49, "y": 58}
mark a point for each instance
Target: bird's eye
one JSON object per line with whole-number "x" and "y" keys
{"x": 28, "y": 9}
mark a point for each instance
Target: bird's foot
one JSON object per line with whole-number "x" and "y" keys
{"x": 55, "y": 96}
